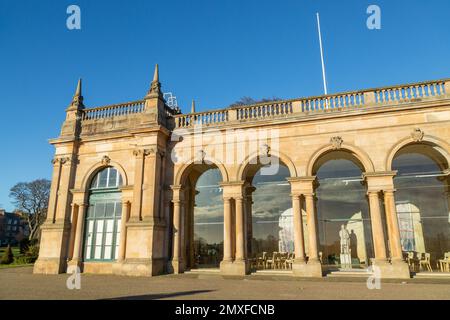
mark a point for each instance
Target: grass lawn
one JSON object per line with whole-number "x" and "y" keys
{"x": 17, "y": 254}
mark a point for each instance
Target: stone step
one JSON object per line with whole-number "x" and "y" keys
{"x": 363, "y": 273}
{"x": 273, "y": 272}
{"x": 432, "y": 275}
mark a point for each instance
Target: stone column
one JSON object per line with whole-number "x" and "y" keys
{"x": 312, "y": 228}
{"x": 227, "y": 254}
{"x": 78, "y": 245}
{"x": 240, "y": 230}
{"x": 313, "y": 267}
{"x": 138, "y": 183}
{"x": 393, "y": 228}
{"x": 123, "y": 230}
{"x": 73, "y": 227}
{"x": 176, "y": 254}
{"x": 57, "y": 165}
{"x": 377, "y": 227}
{"x": 299, "y": 243}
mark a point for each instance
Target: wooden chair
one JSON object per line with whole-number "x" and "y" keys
{"x": 261, "y": 261}
{"x": 411, "y": 260}
{"x": 289, "y": 260}
{"x": 270, "y": 262}
{"x": 444, "y": 264}
{"x": 281, "y": 260}
{"x": 425, "y": 263}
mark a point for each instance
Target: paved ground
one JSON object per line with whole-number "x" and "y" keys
{"x": 20, "y": 283}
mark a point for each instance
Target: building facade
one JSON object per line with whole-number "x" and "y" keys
{"x": 13, "y": 228}
{"x": 142, "y": 189}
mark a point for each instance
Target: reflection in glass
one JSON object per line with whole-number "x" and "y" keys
{"x": 422, "y": 201}
{"x": 341, "y": 201}
{"x": 102, "y": 231}
{"x": 208, "y": 220}
{"x": 272, "y": 220}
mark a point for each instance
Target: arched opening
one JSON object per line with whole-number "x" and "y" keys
{"x": 269, "y": 218}
{"x": 103, "y": 218}
{"x": 203, "y": 223}
{"x": 422, "y": 203}
{"x": 344, "y": 227}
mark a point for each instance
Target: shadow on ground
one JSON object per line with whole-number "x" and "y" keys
{"x": 162, "y": 295}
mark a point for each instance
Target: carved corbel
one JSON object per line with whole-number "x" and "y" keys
{"x": 336, "y": 142}
{"x": 417, "y": 135}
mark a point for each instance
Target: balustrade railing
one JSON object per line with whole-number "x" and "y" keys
{"x": 410, "y": 93}
{"x": 329, "y": 103}
{"x": 113, "y": 110}
{"x": 333, "y": 102}
{"x": 204, "y": 118}
{"x": 261, "y": 111}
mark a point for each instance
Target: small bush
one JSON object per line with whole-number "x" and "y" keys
{"x": 32, "y": 253}
{"x": 8, "y": 256}
{"x": 23, "y": 245}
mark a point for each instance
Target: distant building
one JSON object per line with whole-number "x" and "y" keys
{"x": 13, "y": 228}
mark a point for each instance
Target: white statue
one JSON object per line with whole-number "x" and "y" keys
{"x": 346, "y": 258}
{"x": 345, "y": 240}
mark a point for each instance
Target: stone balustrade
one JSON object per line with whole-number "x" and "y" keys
{"x": 386, "y": 96}
{"x": 113, "y": 110}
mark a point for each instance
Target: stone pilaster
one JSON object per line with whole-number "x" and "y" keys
{"x": 304, "y": 186}
{"x": 55, "y": 232}
{"x": 378, "y": 182}
{"x": 177, "y": 265}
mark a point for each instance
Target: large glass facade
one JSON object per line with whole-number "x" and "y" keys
{"x": 103, "y": 219}
{"x": 422, "y": 201}
{"x": 271, "y": 220}
{"x": 208, "y": 220}
{"x": 343, "y": 213}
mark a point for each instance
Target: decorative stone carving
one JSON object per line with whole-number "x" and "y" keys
{"x": 106, "y": 161}
{"x": 336, "y": 142}
{"x": 264, "y": 150}
{"x": 200, "y": 157}
{"x": 417, "y": 135}
{"x": 60, "y": 160}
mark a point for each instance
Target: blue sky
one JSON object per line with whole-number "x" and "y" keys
{"x": 213, "y": 51}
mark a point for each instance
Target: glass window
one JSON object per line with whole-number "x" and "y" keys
{"x": 345, "y": 237}
{"x": 104, "y": 214}
{"x": 208, "y": 220}
{"x": 272, "y": 220}
{"x": 422, "y": 201}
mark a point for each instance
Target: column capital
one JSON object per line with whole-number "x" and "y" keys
{"x": 373, "y": 193}
{"x": 295, "y": 196}
{"x": 379, "y": 181}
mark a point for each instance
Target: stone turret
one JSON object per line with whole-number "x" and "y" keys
{"x": 71, "y": 125}
{"x": 154, "y": 102}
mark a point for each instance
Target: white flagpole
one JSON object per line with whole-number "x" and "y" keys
{"x": 321, "y": 56}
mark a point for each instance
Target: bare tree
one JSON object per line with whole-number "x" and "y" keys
{"x": 245, "y": 101}
{"x": 31, "y": 198}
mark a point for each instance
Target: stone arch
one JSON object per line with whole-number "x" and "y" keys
{"x": 184, "y": 171}
{"x": 86, "y": 182}
{"x": 440, "y": 146}
{"x": 281, "y": 156}
{"x": 359, "y": 154}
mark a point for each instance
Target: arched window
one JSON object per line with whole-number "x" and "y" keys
{"x": 342, "y": 203}
{"x": 270, "y": 218}
{"x": 423, "y": 201}
{"x": 103, "y": 219}
{"x": 208, "y": 220}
